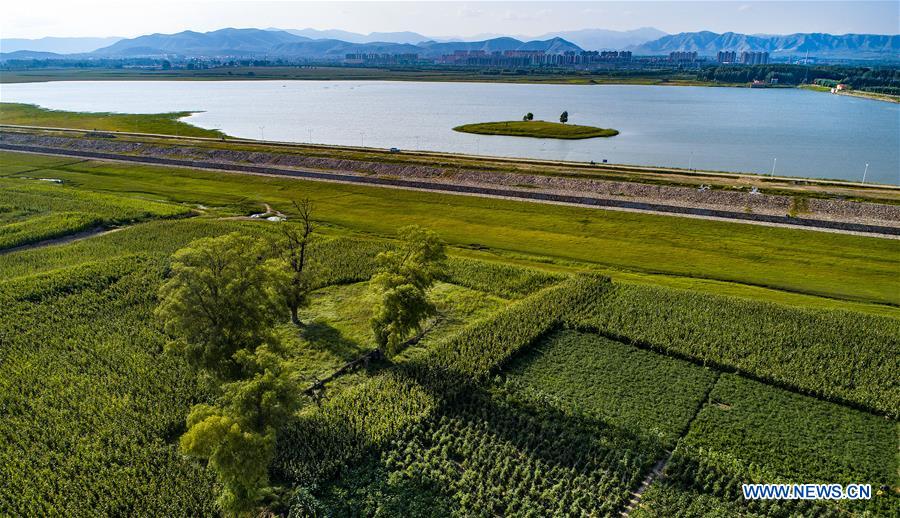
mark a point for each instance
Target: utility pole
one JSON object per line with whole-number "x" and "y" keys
{"x": 806, "y": 65}
{"x": 362, "y": 139}
{"x": 865, "y": 171}
{"x": 774, "y": 161}
{"x": 691, "y": 162}
{"x": 262, "y": 134}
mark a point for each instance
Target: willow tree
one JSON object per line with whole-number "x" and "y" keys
{"x": 236, "y": 436}
{"x": 401, "y": 286}
{"x": 217, "y": 302}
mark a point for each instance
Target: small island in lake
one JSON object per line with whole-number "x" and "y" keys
{"x": 536, "y": 129}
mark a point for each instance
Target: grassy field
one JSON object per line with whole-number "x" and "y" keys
{"x": 499, "y": 409}
{"x": 163, "y": 123}
{"x": 35, "y": 209}
{"x": 813, "y": 263}
{"x": 536, "y": 129}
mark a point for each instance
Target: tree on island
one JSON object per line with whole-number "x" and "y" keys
{"x": 528, "y": 117}
{"x": 564, "y": 117}
{"x": 401, "y": 285}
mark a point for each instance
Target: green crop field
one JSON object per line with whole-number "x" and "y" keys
{"x": 752, "y": 422}
{"x": 536, "y": 129}
{"x": 490, "y": 455}
{"x": 751, "y": 432}
{"x": 638, "y": 390}
{"x": 35, "y": 209}
{"x": 160, "y": 123}
{"x": 570, "y": 352}
{"x": 835, "y": 354}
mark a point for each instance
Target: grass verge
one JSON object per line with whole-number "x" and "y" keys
{"x": 814, "y": 263}
{"x": 160, "y": 123}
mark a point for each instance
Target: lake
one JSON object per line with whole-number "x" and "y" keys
{"x": 800, "y": 133}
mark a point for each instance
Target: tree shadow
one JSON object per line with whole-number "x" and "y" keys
{"x": 323, "y": 337}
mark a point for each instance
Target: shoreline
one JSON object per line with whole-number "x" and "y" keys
{"x": 324, "y": 73}
{"x": 872, "y": 96}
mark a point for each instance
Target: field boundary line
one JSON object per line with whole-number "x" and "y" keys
{"x": 659, "y": 469}
{"x": 723, "y": 368}
{"x": 62, "y": 240}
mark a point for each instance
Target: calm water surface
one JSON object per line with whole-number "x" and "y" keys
{"x": 801, "y": 133}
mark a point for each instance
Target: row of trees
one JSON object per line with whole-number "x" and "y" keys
{"x": 563, "y": 117}
{"x": 857, "y": 77}
{"x": 221, "y": 305}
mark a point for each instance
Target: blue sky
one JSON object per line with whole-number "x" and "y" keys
{"x": 38, "y": 18}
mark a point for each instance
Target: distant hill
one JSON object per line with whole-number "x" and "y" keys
{"x": 231, "y": 42}
{"x": 603, "y": 39}
{"x": 553, "y": 45}
{"x": 30, "y": 54}
{"x": 847, "y": 46}
{"x": 250, "y": 42}
{"x": 353, "y": 37}
{"x": 336, "y": 49}
{"x": 312, "y": 44}
{"x": 56, "y": 45}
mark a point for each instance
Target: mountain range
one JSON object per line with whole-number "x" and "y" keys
{"x": 334, "y": 44}
{"x": 275, "y": 43}
{"x": 602, "y": 39}
{"x": 859, "y": 46}
{"x": 354, "y": 37}
{"x": 593, "y": 39}
{"x": 56, "y": 45}
{"x": 223, "y": 42}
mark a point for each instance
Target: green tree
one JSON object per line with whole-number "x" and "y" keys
{"x": 237, "y": 435}
{"x": 292, "y": 272}
{"x": 239, "y": 457}
{"x": 564, "y": 117}
{"x": 401, "y": 285}
{"x": 528, "y": 117}
{"x": 216, "y": 302}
